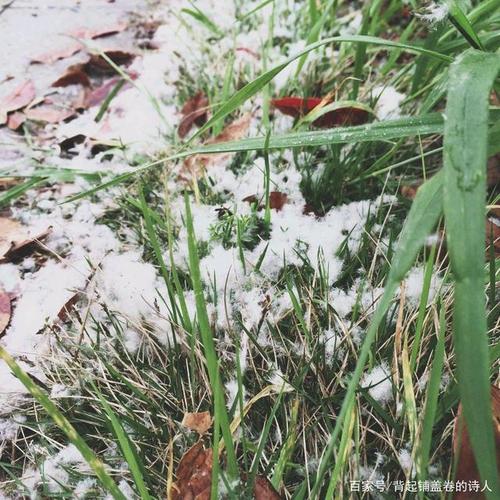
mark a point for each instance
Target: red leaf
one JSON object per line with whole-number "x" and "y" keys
{"x": 298, "y": 107}
{"x": 264, "y": 490}
{"x": 295, "y": 106}
{"x": 193, "y": 112}
{"x": 98, "y": 32}
{"x": 20, "y": 97}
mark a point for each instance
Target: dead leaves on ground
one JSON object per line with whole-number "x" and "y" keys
{"x": 277, "y": 200}
{"x": 194, "y": 477}
{"x": 194, "y": 112}
{"x": 19, "y": 98}
{"x": 198, "y": 422}
{"x": 466, "y": 467}
{"x": 196, "y": 164}
{"x": 16, "y": 240}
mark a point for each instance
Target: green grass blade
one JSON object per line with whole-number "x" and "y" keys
{"x": 256, "y": 85}
{"x": 423, "y": 216}
{"x": 16, "y": 191}
{"x": 465, "y": 154}
{"x": 460, "y": 21}
{"x": 208, "y": 344}
{"x": 431, "y": 399}
{"x": 63, "y": 423}
{"x": 127, "y": 448}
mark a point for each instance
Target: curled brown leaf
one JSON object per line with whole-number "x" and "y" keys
{"x": 199, "y": 422}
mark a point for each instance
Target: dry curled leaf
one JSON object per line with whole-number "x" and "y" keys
{"x": 48, "y": 113}
{"x": 15, "y": 120}
{"x": 16, "y": 241}
{"x": 98, "y": 64}
{"x": 194, "y": 112}
{"x": 233, "y": 132}
{"x": 493, "y": 172}
{"x": 5, "y": 311}
{"x": 19, "y": 98}
{"x": 466, "y": 467}
{"x": 199, "y": 422}
{"x": 55, "y": 55}
{"x": 194, "y": 474}
{"x": 277, "y": 200}
{"x": 264, "y": 490}
{"x": 74, "y": 75}
{"x": 101, "y": 31}
{"x": 96, "y": 96}
{"x": 492, "y": 237}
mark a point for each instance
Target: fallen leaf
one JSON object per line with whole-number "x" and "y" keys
{"x": 194, "y": 474}
{"x": 16, "y": 241}
{"x": 96, "y": 96}
{"x": 74, "y": 75}
{"x": 15, "y": 120}
{"x": 20, "y": 97}
{"x": 67, "y": 309}
{"x": 340, "y": 116}
{"x": 5, "y": 311}
{"x": 409, "y": 191}
{"x": 493, "y": 172}
{"x": 194, "y": 112}
{"x": 49, "y": 114}
{"x": 98, "y": 64}
{"x": 53, "y": 56}
{"x": 264, "y": 490}
{"x": 233, "y": 132}
{"x": 102, "y": 31}
{"x": 276, "y": 200}
{"x": 8, "y": 182}
{"x": 198, "y": 422}
{"x": 466, "y": 467}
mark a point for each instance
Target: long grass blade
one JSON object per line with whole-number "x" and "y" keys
{"x": 465, "y": 154}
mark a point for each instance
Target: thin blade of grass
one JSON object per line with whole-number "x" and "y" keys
{"x": 423, "y": 216}
{"x": 127, "y": 448}
{"x": 460, "y": 21}
{"x": 465, "y": 154}
{"x": 208, "y": 344}
{"x": 63, "y": 423}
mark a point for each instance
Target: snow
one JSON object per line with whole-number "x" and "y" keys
{"x": 435, "y": 12}
{"x": 83, "y": 487}
{"x": 9, "y": 427}
{"x": 379, "y": 383}
{"x": 388, "y": 102}
{"x": 414, "y": 284}
{"x": 406, "y": 462}
{"x": 52, "y": 471}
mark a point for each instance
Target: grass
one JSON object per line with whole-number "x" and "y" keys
{"x": 299, "y": 412}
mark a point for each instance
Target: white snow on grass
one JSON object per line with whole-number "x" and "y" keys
{"x": 388, "y": 102}
{"x": 379, "y": 383}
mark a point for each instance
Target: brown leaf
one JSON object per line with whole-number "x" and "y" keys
{"x": 98, "y": 32}
{"x": 410, "y": 190}
{"x": 5, "y": 311}
{"x": 492, "y": 236}
{"x": 55, "y": 55}
{"x": 20, "y": 97}
{"x": 49, "y": 114}
{"x": 98, "y": 64}
{"x": 277, "y": 200}
{"x": 75, "y": 75}
{"x": 264, "y": 490}
{"x": 233, "y": 132}
{"x": 194, "y": 474}
{"x": 493, "y": 172}
{"x": 194, "y": 112}
{"x": 466, "y": 468}
{"x": 15, "y": 120}
{"x": 199, "y": 422}
{"x": 8, "y": 182}
{"x": 15, "y": 240}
